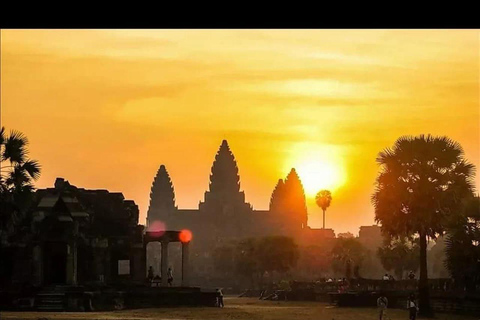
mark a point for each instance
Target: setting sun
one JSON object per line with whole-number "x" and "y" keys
{"x": 318, "y": 174}
{"x": 319, "y": 167}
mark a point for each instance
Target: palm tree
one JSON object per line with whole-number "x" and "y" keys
{"x": 17, "y": 174}
{"x": 462, "y": 245}
{"x": 420, "y": 187}
{"x": 323, "y": 200}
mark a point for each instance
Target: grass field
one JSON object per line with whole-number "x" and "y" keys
{"x": 238, "y": 309}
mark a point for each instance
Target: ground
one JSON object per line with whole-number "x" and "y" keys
{"x": 238, "y": 309}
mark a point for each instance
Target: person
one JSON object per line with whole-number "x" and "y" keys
{"x": 382, "y": 304}
{"x": 412, "y": 307}
{"x": 411, "y": 275}
{"x": 220, "y": 298}
{"x": 157, "y": 280}
{"x": 150, "y": 273}
{"x": 170, "y": 277}
{"x": 385, "y": 277}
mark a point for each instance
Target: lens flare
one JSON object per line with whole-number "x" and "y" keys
{"x": 157, "y": 228}
{"x": 185, "y": 236}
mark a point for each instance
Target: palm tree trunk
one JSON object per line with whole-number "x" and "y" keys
{"x": 323, "y": 219}
{"x": 423, "y": 290}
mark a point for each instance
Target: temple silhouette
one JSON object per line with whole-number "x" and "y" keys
{"x": 225, "y": 215}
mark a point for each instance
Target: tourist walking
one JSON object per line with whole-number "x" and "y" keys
{"x": 412, "y": 307}
{"x": 170, "y": 277}
{"x": 220, "y": 298}
{"x": 382, "y": 304}
{"x": 150, "y": 274}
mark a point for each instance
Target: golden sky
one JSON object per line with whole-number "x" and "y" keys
{"x": 104, "y": 108}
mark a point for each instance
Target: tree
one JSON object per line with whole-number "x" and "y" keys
{"x": 399, "y": 255}
{"x": 323, "y": 200}
{"x": 315, "y": 260}
{"x": 245, "y": 258}
{"x": 463, "y": 245}
{"x": 421, "y": 184}
{"x": 224, "y": 259}
{"x": 277, "y": 254}
{"x": 17, "y": 173}
{"x": 348, "y": 255}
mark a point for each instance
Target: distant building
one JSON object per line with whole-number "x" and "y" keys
{"x": 225, "y": 215}
{"x": 77, "y": 236}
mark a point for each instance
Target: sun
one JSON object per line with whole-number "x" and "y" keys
{"x": 318, "y": 168}
{"x": 319, "y": 174}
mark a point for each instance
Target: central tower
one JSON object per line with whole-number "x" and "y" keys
{"x": 224, "y": 188}
{"x": 224, "y": 206}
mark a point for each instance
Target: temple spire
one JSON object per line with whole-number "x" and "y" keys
{"x": 277, "y": 199}
{"x": 295, "y": 198}
{"x": 224, "y": 178}
{"x": 162, "y": 196}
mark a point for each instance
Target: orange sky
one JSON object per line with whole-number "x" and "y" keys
{"x": 105, "y": 108}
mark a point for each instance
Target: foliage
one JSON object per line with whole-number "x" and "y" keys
{"x": 223, "y": 259}
{"x": 400, "y": 255}
{"x": 419, "y": 189}
{"x": 323, "y": 199}
{"x": 315, "y": 260}
{"x": 348, "y": 255}
{"x": 17, "y": 173}
{"x": 245, "y": 258}
{"x": 277, "y": 254}
{"x": 463, "y": 245}
{"x": 421, "y": 184}
{"x": 251, "y": 258}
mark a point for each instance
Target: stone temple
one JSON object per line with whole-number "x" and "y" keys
{"x": 225, "y": 215}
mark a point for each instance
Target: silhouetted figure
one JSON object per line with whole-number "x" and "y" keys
{"x": 150, "y": 274}
{"x": 157, "y": 281}
{"x": 220, "y": 298}
{"x": 386, "y": 277}
{"x": 382, "y": 304}
{"x": 170, "y": 277}
{"x": 412, "y": 307}
{"x": 411, "y": 275}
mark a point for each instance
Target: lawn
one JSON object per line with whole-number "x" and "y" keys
{"x": 236, "y": 308}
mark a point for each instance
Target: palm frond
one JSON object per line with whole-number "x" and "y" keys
{"x": 15, "y": 147}
{"x": 32, "y": 167}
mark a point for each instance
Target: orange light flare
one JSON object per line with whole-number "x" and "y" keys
{"x": 157, "y": 228}
{"x": 185, "y": 236}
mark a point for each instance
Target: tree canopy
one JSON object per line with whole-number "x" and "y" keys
{"x": 400, "y": 255}
{"x": 421, "y": 184}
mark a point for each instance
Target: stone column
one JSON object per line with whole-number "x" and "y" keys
{"x": 185, "y": 267}
{"x": 38, "y": 265}
{"x": 164, "y": 262}
{"x": 72, "y": 263}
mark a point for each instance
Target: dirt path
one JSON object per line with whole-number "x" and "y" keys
{"x": 235, "y": 309}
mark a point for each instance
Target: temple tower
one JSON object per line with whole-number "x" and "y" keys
{"x": 277, "y": 199}
{"x": 224, "y": 188}
{"x": 295, "y": 204}
{"x": 162, "y": 198}
{"x": 224, "y": 206}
